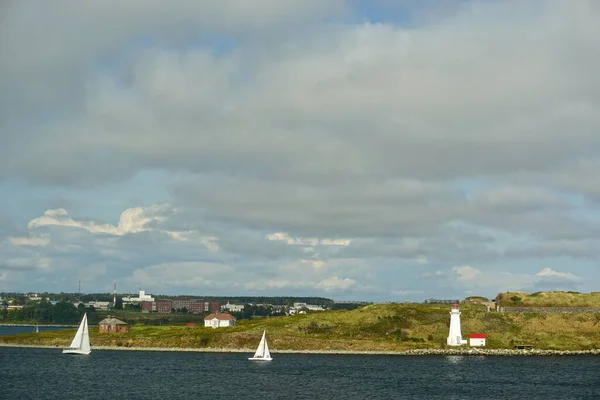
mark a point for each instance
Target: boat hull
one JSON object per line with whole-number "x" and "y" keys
{"x": 76, "y": 351}
{"x": 259, "y": 359}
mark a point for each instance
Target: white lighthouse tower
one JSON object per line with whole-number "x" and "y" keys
{"x": 454, "y": 336}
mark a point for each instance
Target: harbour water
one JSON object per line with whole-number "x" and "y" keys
{"x": 27, "y": 373}
{"x": 16, "y": 330}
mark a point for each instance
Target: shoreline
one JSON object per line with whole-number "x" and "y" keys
{"x": 43, "y": 325}
{"x": 413, "y": 352}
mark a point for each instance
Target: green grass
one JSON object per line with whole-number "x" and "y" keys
{"x": 382, "y": 327}
{"x": 549, "y": 299}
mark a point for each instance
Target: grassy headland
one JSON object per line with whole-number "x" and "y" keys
{"x": 377, "y": 327}
{"x": 549, "y": 299}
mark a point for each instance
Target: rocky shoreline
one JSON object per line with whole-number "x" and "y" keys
{"x": 414, "y": 352}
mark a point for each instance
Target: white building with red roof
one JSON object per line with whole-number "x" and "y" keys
{"x": 219, "y": 320}
{"x": 477, "y": 339}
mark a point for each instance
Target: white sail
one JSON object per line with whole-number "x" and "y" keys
{"x": 85, "y": 339}
{"x": 81, "y": 341}
{"x": 262, "y": 352}
{"x": 266, "y": 353}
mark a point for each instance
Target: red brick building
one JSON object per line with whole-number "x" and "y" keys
{"x": 112, "y": 325}
{"x": 164, "y": 305}
{"x": 193, "y": 306}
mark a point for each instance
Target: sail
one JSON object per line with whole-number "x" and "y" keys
{"x": 266, "y": 353}
{"x": 85, "y": 340}
{"x": 82, "y": 332}
{"x": 260, "y": 351}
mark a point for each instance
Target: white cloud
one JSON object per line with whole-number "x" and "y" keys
{"x": 335, "y": 283}
{"x": 132, "y": 220}
{"x": 304, "y": 241}
{"x": 29, "y": 241}
{"x": 466, "y": 273}
{"x": 549, "y": 272}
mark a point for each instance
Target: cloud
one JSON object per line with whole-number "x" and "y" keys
{"x": 29, "y": 241}
{"x": 549, "y": 272}
{"x": 296, "y": 143}
{"x": 132, "y": 220}
{"x": 334, "y": 283}
{"x": 466, "y": 273}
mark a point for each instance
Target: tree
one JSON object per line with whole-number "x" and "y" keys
{"x": 65, "y": 313}
{"x": 119, "y": 304}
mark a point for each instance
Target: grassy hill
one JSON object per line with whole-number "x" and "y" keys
{"x": 377, "y": 327}
{"x": 549, "y": 299}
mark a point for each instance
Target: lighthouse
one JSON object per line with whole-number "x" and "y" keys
{"x": 454, "y": 336}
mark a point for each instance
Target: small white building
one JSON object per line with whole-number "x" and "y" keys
{"x": 232, "y": 307}
{"x": 35, "y": 297}
{"x": 219, "y": 320}
{"x": 477, "y": 340}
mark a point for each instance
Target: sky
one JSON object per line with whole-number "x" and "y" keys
{"x": 356, "y": 150}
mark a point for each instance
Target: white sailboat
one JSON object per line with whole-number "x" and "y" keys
{"x": 37, "y": 329}
{"x": 262, "y": 352}
{"x": 81, "y": 341}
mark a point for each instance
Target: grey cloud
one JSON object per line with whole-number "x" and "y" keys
{"x": 362, "y": 102}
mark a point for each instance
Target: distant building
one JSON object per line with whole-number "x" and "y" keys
{"x": 232, "y": 307}
{"x": 98, "y": 305}
{"x": 112, "y": 325}
{"x": 193, "y": 306}
{"x": 476, "y": 340}
{"x": 443, "y": 301}
{"x": 35, "y": 297}
{"x": 164, "y": 305}
{"x": 148, "y": 306}
{"x": 138, "y": 300}
{"x": 298, "y": 308}
{"x": 219, "y": 320}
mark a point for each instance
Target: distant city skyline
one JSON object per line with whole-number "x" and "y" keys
{"x": 350, "y": 149}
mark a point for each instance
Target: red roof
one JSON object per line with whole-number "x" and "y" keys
{"x": 222, "y": 317}
{"x": 477, "y": 336}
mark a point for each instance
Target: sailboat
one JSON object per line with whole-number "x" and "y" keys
{"x": 81, "y": 341}
{"x": 262, "y": 352}
{"x": 36, "y": 329}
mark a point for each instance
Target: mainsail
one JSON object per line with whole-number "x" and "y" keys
{"x": 82, "y": 339}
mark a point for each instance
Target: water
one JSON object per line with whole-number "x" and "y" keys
{"x": 47, "y": 374}
{"x": 15, "y": 330}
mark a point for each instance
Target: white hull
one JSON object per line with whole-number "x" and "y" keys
{"x": 76, "y": 351}
{"x": 259, "y": 359}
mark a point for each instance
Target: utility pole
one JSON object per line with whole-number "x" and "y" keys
{"x": 79, "y": 287}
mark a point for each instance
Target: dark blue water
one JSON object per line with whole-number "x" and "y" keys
{"x": 15, "y": 330}
{"x": 47, "y": 374}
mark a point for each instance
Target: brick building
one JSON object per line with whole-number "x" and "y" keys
{"x": 193, "y": 306}
{"x": 112, "y": 325}
{"x": 163, "y": 305}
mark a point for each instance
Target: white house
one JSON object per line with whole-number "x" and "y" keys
{"x": 233, "y": 307}
{"x": 219, "y": 320}
{"x": 476, "y": 340}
